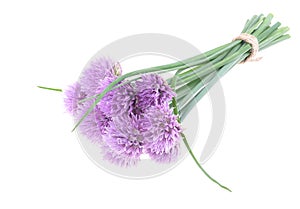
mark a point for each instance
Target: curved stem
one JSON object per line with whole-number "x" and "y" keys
{"x": 175, "y": 111}
{"x": 199, "y": 165}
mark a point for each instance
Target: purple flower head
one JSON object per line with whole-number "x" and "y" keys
{"x": 94, "y": 80}
{"x": 116, "y": 158}
{"x": 162, "y": 139}
{"x": 73, "y": 94}
{"x": 123, "y": 100}
{"x": 153, "y": 90}
{"x": 125, "y": 138}
{"x": 128, "y": 121}
{"x": 95, "y": 125}
{"x": 105, "y": 103}
{"x": 93, "y": 75}
{"x": 140, "y": 122}
{"x": 166, "y": 157}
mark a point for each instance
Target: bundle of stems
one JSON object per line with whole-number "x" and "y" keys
{"x": 196, "y": 75}
{"x": 206, "y": 69}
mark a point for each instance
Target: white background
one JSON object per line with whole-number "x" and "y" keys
{"x": 48, "y": 43}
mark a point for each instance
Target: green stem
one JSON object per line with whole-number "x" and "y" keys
{"x": 186, "y": 109}
{"x": 175, "y": 110}
{"x": 193, "y": 92}
{"x": 199, "y": 165}
{"x": 47, "y": 88}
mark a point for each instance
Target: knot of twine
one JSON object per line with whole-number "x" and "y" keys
{"x": 252, "y": 40}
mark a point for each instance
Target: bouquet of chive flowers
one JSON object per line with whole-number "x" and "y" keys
{"x": 140, "y": 112}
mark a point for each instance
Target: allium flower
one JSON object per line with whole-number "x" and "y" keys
{"x": 95, "y": 78}
{"x": 93, "y": 75}
{"x": 123, "y": 100}
{"x": 95, "y": 124}
{"x": 153, "y": 90}
{"x": 130, "y": 120}
{"x": 124, "y": 138}
{"x": 98, "y": 121}
{"x": 116, "y": 158}
{"x": 163, "y": 137}
{"x": 106, "y": 102}
{"x": 73, "y": 94}
{"x": 166, "y": 157}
